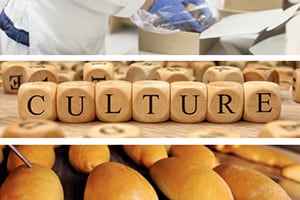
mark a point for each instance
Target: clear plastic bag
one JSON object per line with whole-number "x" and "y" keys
{"x": 203, "y": 14}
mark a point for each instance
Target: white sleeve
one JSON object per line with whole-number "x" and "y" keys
{"x": 120, "y": 8}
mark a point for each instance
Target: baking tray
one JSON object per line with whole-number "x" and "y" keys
{"x": 74, "y": 182}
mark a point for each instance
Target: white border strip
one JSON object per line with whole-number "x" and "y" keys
{"x": 150, "y": 141}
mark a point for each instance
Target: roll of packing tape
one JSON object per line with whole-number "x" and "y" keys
{"x": 292, "y": 36}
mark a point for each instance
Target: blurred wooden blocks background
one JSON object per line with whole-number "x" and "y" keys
{"x": 142, "y": 71}
{"x": 281, "y": 129}
{"x": 114, "y": 130}
{"x": 41, "y": 72}
{"x": 98, "y": 71}
{"x": 223, "y": 73}
{"x": 172, "y": 74}
{"x": 296, "y": 86}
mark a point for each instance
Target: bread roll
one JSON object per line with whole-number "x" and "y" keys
{"x": 84, "y": 158}
{"x": 292, "y": 172}
{"x": 249, "y": 184}
{"x": 116, "y": 181}
{"x": 262, "y": 154}
{"x": 39, "y": 154}
{"x": 146, "y": 155}
{"x": 34, "y": 183}
{"x": 180, "y": 179}
{"x": 224, "y": 148}
{"x": 198, "y": 152}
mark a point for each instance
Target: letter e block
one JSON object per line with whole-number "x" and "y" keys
{"x": 75, "y": 101}
{"x": 37, "y": 100}
{"x": 113, "y": 101}
{"x": 296, "y": 86}
{"x": 225, "y": 101}
{"x": 98, "y": 71}
{"x": 41, "y": 72}
{"x": 151, "y": 101}
{"x": 13, "y": 76}
{"x": 188, "y": 101}
{"x": 262, "y": 101}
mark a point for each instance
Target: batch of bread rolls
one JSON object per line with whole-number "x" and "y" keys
{"x": 147, "y": 172}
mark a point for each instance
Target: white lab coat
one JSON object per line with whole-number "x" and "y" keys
{"x": 64, "y": 26}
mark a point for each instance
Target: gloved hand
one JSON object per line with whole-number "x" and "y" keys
{"x": 174, "y": 13}
{"x": 205, "y": 12}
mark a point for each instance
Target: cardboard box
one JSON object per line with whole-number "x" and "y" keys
{"x": 187, "y": 43}
{"x": 253, "y": 5}
{"x": 261, "y": 25}
{"x": 223, "y": 12}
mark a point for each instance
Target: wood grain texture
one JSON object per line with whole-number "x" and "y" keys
{"x": 290, "y": 111}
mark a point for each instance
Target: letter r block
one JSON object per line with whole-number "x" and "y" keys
{"x": 150, "y": 101}
{"x": 262, "y": 101}
{"x": 113, "y": 101}
{"x": 225, "y": 101}
{"x": 188, "y": 101}
{"x": 75, "y": 101}
{"x": 37, "y": 100}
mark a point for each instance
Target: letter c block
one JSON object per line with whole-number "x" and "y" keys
{"x": 37, "y": 100}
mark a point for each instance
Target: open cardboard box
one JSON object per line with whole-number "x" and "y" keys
{"x": 253, "y": 5}
{"x": 260, "y": 24}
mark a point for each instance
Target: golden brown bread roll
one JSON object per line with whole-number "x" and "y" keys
{"x": 292, "y": 172}
{"x": 39, "y": 154}
{"x": 198, "y": 152}
{"x": 263, "y": 154}
{"x": 224, "y": 148}
{"x": 34, "y": 183}
{"x": 84, "y": 158}
{"x": 145, "y": 155}
{"x": 180, "y": 179}
{"x": 249, "y": 184}
{"x": 116, "y": 181}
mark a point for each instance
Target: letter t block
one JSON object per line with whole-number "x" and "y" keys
{"x": 150, "y": 101}
{"x": 262, "y": 101}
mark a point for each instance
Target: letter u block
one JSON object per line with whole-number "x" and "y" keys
{"x": 98, "y": 71}
{"x": 37, "y": 100}
{"x": 75, "y": 101}
{"x": 113, "y": 101}
{"x": 225, "y": 101}
{"x": 41, "y": 72}
{"x": 296, "y": 86}
{"x": 151, "y": 101}
{"x": 188, "y": 101}
{"x": 13, "y": 76}
{"x": 262, "y": 101}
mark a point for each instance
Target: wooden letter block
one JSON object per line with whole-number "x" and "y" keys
{"x": 200, "y": 68}
{"x": 114, "y": 130}
{"x": 188, "y": 101}
{"x": 172, "y": 74}
{"x": 262, "y": 101}
{"x": 37, "y": 100}
{"x": 225, "y": 101}
{"x": 239, "y": 64}
{"x": 151, "y": 101}
{"x": 113, "y": 101}
{"x": 280, "y": 129}
{"x": 213, "y": 133}
{"x": 223, "y": 73}
{"x": 33, "y": 128}
{"x": 296, "y": 86}
{"x": 13, "y": 76}
{"x": 75, "y": 101}
{"x": 259, "y": 72}
{"x": 41, "y": 72}
{"x": 180, "y": 64}
{"x": 142, "y": 71}
{"x": 66, "y": 75}
{"x": 98, "y": 71}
